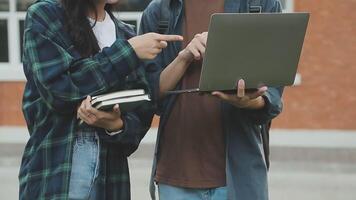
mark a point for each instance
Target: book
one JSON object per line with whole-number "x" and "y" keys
{"x": 126, "y": 104}
{"x": 114, "y": 95}
{"x": 128, "y": 100}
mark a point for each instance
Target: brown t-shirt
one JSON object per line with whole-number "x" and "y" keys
{"x": 192, "y": 145}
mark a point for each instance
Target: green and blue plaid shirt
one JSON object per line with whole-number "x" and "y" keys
{"x": 58, "y": 79}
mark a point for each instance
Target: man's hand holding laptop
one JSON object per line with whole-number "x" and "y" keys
{"x": 244, "y": 98}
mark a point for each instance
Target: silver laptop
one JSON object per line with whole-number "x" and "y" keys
{"x": 263, "y": 49}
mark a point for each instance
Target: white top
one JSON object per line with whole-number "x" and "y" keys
{"x": 104, "y": 31}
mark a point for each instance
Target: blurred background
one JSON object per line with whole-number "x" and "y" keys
{"x": 313, "y": 142}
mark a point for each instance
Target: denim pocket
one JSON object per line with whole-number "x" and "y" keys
{"x": 85, "y": 164}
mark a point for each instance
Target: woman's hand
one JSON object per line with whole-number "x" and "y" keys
{"x": 149, "y": 45}
{"x": 110, "y": 121}
{"x": 195, "y": 49}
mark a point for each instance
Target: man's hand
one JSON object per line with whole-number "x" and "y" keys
{"x": 195, "y": 49}
{"x": 111, "y": 121}
{"x": 243, "y": 99}
{"x": 149, "y": 45}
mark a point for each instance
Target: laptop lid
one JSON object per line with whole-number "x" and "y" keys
{"x": 262, "y": 49}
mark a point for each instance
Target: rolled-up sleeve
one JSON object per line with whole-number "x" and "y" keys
{"x": 273, "y": 107}
{"x": 136, "y": 125}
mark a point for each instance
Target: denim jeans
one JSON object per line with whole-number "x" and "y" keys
{"x": 168, "y": 192}
{"x": 85, "y": 166}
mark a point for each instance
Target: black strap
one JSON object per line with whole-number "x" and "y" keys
{"x": 163, "y": 24}
{"x": 254, "y": 6}
{"x": 265, "y": 128}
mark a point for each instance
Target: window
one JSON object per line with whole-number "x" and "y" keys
{"x": 22, "y": 5}
{"x": 132, "y": 5}
{"x": 10, "y": 56}
{"x": 4, "y": 5}
{"x": 4, "y": 50}
{"x": 22, "y": 29}
{"x": 130, "y": 11}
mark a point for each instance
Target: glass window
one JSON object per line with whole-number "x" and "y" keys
{"x": 123, "y": 5}
{"x": 22, "y": 28}
{"x": 4, "y": 5}
{"x": 132, "y": 5}
{"x": 22, "y": 5}
{"x": 4, "y": 50}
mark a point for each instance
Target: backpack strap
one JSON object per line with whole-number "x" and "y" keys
{"x": 163, "y": 24}
{"x": 265, "y": 128}
{"x": 254, "y": 6}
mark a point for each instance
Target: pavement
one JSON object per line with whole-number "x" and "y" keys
{"x": 305, "y": 164}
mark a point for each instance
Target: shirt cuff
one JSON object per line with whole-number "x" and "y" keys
{"x": 113, "y": 133}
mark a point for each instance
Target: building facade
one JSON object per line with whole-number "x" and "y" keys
{"x": 324, "y": 97}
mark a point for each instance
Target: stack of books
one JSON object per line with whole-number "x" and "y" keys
{"x": 128, "y": 100}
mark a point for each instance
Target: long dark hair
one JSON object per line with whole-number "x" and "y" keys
{"x": 78, "y": 26}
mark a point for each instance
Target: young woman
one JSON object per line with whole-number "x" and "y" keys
{"x": 73, "y": 50}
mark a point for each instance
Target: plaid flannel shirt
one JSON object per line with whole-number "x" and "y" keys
{"x": 58, "y": 79}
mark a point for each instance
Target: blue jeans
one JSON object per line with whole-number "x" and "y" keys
{"x": 168, "y": 192}
{"x": 85, "y": 166}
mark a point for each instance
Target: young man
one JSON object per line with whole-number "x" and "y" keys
{"x": 209, "y": 146}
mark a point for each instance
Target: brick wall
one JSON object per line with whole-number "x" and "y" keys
{"x": 10, "y": 103}
{"x": 326, "y": 99}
